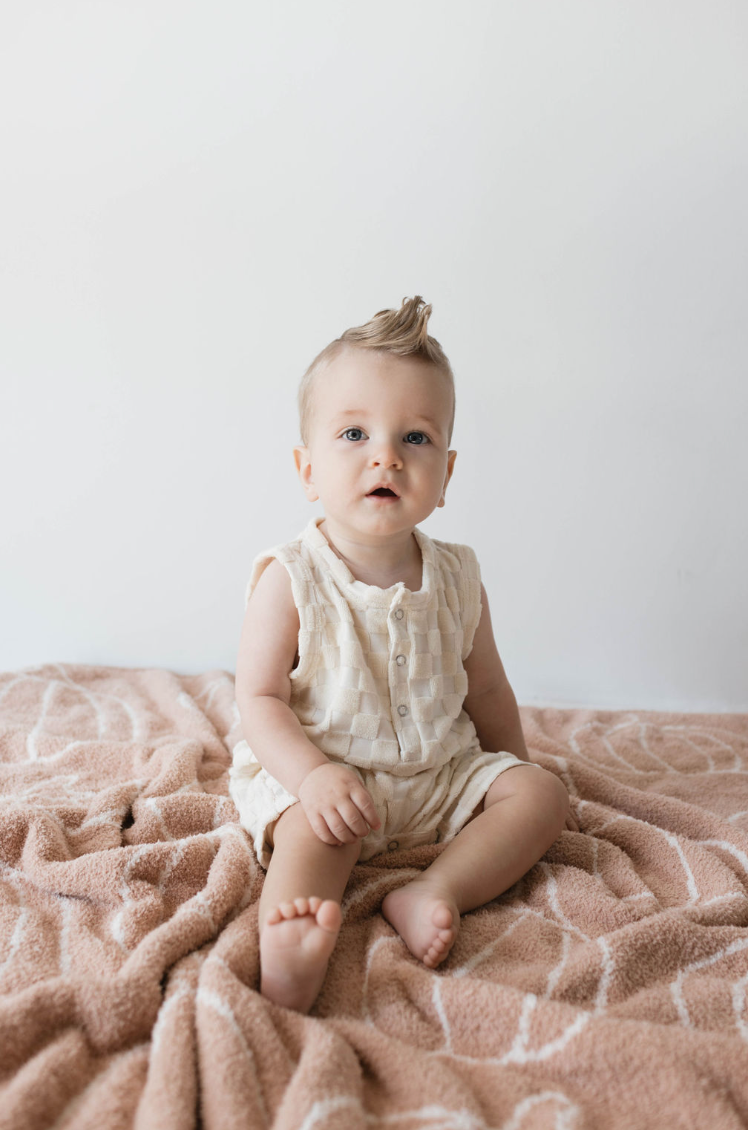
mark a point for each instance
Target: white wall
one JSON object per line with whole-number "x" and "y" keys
{"x": 196, "y": 198}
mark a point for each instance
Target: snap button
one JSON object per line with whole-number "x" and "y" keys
{"x": 402, "y": 711}
{"x": 399, "y": 614}
{"x": 400, "y": 660}
{"x": 392, "y": 845}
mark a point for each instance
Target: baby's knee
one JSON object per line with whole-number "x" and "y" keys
{"x": 552, "y": 794}
{"x": 293, "y": 830}
{"x": 292, "y": 822}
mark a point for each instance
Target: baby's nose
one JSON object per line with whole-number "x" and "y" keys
{"x": 386, "y": 457}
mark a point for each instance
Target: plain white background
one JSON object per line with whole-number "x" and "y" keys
{"x": 196, "y": 198}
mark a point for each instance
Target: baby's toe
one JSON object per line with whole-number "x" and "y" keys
{"x": 302, "y": 906}
{"x": 288, "y": 909}
{"x": 329, "y": 915}
{"x": 442, "y": 917}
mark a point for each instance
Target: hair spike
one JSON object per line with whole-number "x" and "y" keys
{"x": 403, "y": 332}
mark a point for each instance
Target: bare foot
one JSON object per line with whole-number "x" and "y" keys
{"x": 426, "y": 919}
{"x": 295, "y": 946}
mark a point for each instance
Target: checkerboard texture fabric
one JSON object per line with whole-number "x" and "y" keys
{"x": 380, "y": 685}
{"x": 380, "y": 681}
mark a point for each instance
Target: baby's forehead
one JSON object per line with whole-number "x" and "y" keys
{"x": 369, "y": 384}
{"x": 366, "y": 398}
{"x": 349, "y": 378}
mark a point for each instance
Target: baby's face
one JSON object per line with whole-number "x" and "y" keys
{"x": 377, "y": 419}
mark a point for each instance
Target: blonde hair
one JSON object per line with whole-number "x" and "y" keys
{"x": 402, "y": 331}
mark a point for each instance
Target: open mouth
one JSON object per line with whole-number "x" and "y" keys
{"x": 382, "y": 492}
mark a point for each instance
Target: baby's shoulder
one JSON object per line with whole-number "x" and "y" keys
{"x": 273, "y": 585}
{"x": 279, "y": 572}
{"x": 456, "y": 557}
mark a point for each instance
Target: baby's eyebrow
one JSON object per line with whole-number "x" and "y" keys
{"x": 361, "y": 413}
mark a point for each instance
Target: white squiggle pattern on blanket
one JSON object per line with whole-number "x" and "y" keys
{"x": 640, "y": 918}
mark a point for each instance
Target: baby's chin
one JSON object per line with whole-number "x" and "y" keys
{"x": 379, "y": 522}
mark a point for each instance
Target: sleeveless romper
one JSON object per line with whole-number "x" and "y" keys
{"x": 379, "y": 687}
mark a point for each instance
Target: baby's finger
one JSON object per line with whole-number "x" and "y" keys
{"x": 353, "y": 818}
{"x": 366, "y": 807}
{"x": 339, "y": 828}
{"x": 322, "y": 832}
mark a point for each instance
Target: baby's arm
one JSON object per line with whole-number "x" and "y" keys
{"x": 490, "y": 701}
{"x": 337, "y": 805}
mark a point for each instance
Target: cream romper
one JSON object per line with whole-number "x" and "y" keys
{"x": 379, "y": 687}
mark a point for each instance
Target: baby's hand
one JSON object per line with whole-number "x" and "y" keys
{"x": 337, "y": 805}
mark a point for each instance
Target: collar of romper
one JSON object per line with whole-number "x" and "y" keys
{"x": 363, "y": 594}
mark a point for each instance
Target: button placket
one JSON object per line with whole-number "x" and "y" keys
{"x": 402, "y": 643}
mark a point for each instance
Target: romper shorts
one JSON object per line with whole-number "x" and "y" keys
{"x": 426, "y": 808}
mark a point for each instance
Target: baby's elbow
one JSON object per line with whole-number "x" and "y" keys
{"x": 244, "y": 705}
{"x": 255, "y": 708}
{"x": 555, "y": 798}
{"x": 562, "y": 803}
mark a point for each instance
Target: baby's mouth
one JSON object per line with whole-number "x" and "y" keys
{"x": 382, "y": 492}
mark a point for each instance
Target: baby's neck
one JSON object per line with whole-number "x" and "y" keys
{"x": 383, "y": 565}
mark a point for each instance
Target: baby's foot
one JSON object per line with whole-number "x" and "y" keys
{"x": 426, "y": 918}
{"x": 295, "y": 946}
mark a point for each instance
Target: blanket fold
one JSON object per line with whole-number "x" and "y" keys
{"x": 607, "y": 988}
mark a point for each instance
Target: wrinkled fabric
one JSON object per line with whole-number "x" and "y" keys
{"x": 607, "y": 988}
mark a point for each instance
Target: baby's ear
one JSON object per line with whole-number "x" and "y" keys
{"x": 451, "y": 456}
{"x": 303, "y": 461}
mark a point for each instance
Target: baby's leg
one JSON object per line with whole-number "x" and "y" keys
{"x": 300, "y": 910}
{"x": 523, "y": 814}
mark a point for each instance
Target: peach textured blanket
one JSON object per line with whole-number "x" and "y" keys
{"x": 606, "y": 989}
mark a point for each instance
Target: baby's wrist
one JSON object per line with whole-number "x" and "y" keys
{"x": 308, "y": 772}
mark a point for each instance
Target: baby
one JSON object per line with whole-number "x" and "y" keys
{"x": 375, "y": 707}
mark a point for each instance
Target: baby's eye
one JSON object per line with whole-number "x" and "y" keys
{"x": 418, "y": 438}
{"x": 357, "y": 433}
